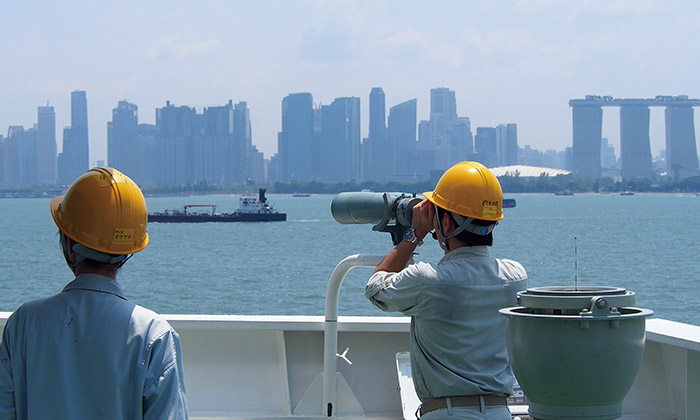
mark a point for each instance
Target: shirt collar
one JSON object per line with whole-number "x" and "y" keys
{"x": 475, "y": 251}
{"x": 95, "y": 283}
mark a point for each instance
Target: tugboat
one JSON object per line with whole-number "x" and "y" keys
{"x": 252, "y": 208}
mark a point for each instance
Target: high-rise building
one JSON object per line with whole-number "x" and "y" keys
{"x": 240, "y": 145}
{"x": 608, "y": 160}
{"x": 635, "y": 149}
{"x": 485, "y": 146}
{"x": 46, "y": 146}
{"x": 443, "y": 111}
{"x": 317, "y": 142}
{"x": 681, "y": 148}
{"x": 507, "y": 144}
{"x": 295, "y": 139}
{"x": 340, "y": 140}
{"x": 424, "y": 135}
{"x": 123, "y": 151}
{"x": 2, "y": 161}
{"x": 587, "y": 132}
{"x": 250, "y": 160}
{"x": 19, "y": 157}
{"x": 213, "y": 163}
{"x": 74, "y": 160}
{"x": 443, "y": 114}
{"x": 177, "y": 127}
{"x": 402, "y": 135}
{"x": 460, "y": 141}
{"x": 378, "y": 144}
{"x": 10, "y": 163}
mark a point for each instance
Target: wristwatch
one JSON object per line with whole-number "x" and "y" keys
{"x": 410, "y": 236}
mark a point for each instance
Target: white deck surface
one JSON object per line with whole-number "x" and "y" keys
{"x": 263, "y": 366}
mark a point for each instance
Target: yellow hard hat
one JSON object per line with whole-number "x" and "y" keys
{"x": 103, "y": 210}
{"x": 469, "y": 189}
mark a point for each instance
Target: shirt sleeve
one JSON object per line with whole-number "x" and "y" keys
{"x": 398, "y": 292}
{"x": 164, "y": 392}
{"x": 7, "y": 392}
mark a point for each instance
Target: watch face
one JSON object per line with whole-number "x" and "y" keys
{"x": 409, "y": 235}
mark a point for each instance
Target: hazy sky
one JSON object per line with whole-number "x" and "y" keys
{"x": 508, "y": 61}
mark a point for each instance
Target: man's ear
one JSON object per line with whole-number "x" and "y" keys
{"x": 448, "y": 224}
{"x": 69, "y": 247}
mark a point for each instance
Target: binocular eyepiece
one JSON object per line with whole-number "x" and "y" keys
{"x": 389, "y": 212}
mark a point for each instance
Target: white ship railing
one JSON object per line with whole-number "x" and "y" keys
{"x": 245, "y": 367}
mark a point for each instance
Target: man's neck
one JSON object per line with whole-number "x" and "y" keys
{"x": 106, "y": 271}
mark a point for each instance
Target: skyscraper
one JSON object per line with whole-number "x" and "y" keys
{"x": 46, "y": 145}
{"x": 378, "y": 144}
{"x": 241, "y": 146}
{"x": 177, "y": 126}
{"x": 402, "y": 136}
{"x": 460, "y": 141}
{"x": 635, "y": 149}
{"x": 607, "y": 154}
{"x": 485, "y": 146}
{"x": 122, "y": 140}
{"x": 19, "y": 157}
{"x": 75, "y": 157}
{"x": 507, "y": 144}
{"x": 587, "y": 132}
{"x": 443, "y": 114}
{"x": 681, "y": 148}
{"x": 340, "y": 140}
{"x": 295, "y": 139}
{"x": 212, "y": 146}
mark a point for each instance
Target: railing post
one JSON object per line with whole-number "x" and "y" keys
{"x": 330, "y": 337}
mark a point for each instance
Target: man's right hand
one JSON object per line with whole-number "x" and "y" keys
{"x": 422, "y": 218}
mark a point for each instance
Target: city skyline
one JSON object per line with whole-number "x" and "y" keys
{"x": 323, "y": 142}
{"x": 612, "y": 118}
{"x": 214, "y": 147}
{"x": 517, "y": 61}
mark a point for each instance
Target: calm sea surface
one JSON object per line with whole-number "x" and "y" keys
{"x": 646, "y": 243}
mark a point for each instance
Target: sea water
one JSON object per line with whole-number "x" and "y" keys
{"x": 647, "y": 243}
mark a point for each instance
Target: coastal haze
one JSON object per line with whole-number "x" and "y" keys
{"x": 516, "y": 62}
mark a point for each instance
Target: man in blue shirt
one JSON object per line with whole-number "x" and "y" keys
{"x": 459, "y": 357}
{"x": 87, "y": 352}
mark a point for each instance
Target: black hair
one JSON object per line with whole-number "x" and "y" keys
{"x": 470, "y": 239}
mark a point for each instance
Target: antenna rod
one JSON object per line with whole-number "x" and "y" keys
{"x": 575, "y": 264}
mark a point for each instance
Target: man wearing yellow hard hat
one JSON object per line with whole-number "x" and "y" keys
{"x": 88, "y": 352}
{"x": 459, "y": 358}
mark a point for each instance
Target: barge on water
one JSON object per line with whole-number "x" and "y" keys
{"x": 252, "y": 208}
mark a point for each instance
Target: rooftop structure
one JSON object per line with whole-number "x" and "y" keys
{"x": 527, "y": 171}
{"x": 635, "y": 150}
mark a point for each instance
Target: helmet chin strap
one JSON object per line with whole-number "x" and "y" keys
{"x": 441, "y": 237}
{"x": 464, "y": 223}
{"x": 85, "y": 253}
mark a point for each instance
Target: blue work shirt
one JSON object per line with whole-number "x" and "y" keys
{"x": 458, "y": 337}
{"x": 88, "y": 353}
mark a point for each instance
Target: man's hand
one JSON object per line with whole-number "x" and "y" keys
{"x": 422, "y": 222}
{"x": 422, "y": 218}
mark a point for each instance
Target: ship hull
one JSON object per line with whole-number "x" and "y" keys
{"x": 204, "y": 218}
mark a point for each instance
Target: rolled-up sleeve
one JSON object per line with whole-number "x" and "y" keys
{"x": 398, "y": 292}
{"x": 164, "y": 393}
{"x": 7, "y": 389}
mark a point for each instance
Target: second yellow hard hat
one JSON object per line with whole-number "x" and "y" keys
{"x": 103, "y": 210}
{"x": 469, "y": 189}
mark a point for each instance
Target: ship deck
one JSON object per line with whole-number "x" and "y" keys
{"x": 266, "y": 367}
